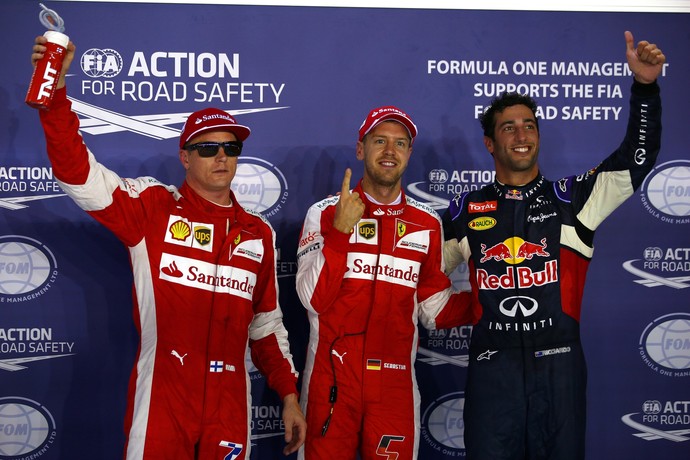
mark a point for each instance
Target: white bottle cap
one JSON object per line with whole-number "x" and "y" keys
{"x": 56, "y": 37}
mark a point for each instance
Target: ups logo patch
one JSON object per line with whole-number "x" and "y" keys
{"x": 366, "y": 230}
{"x": 202, "y": 235}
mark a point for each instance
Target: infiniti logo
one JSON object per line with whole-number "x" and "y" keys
{"x": 510, "y": 305}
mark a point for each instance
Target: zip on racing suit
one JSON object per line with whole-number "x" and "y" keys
{"x": 204, "y": 287}
{"x": 528, "y": 249}
{"x": 364, "y": 293}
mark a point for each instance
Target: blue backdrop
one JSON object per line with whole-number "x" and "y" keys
{"x": 303, "y": 78}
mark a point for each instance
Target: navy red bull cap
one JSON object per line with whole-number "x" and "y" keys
{"x": 386, "y": 113}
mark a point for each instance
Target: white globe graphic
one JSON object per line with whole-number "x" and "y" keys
{"x": 23, "y": 267}
{"x": 101, "y": 63}
{"x": 24, "y": 428}
{"x": 668, "y": 344}
{"x": 668, "y": 191}
{"x": 257, "y": 185}
{"x": 445, "y": 423}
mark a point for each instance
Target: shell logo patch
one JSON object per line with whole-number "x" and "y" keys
{"x": 180, "y": 230}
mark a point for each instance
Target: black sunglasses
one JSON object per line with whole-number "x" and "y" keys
{"x": 210, "y": 149}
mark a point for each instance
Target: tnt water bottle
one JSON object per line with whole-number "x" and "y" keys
{"x": 45, "y": 77}
{"x": 44, "y": 80}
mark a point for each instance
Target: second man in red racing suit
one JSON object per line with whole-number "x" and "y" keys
{"x": 365, "y": 290}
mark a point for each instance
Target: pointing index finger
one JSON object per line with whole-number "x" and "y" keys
{"x": 629, "y": 41}
{"x": 345, "y": 189}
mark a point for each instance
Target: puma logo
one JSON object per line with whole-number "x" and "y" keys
{"x": 339, "y": 356}
{"x": 177, "y": 355}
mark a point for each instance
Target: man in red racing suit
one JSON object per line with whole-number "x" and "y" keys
{"x": 528, "y": 242}
{"x": 204, "y": 288}
{"x": 365, "y": 284}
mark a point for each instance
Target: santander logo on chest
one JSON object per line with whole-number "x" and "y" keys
{"x": 193, "y": 273}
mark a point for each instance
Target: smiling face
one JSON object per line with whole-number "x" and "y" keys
{"x": 385, "y": 150}
{"x": 515, "y": 145}
{"x": 210, "y": 177}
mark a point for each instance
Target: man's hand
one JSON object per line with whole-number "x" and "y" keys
{"x": 646, "y": 61}
{"x": 350, "y": 207}
{"x": 295, "y": 424}
{"x": 39, "y": 50}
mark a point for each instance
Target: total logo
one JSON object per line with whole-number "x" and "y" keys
{"x": 665, "y": 193}
{"x": 661, "y": 420}
{"x": 665, "y": 345}
{"x": 443, "y": 427}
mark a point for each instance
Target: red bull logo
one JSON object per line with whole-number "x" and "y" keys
{"x": 518, "y": 277}
{"x": 528, "y": 250}
{"x": 514, "y": 195}
{"x": 498, "y": 252}
{"x": 514, "y": 250}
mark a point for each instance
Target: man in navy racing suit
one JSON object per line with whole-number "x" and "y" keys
{"x": 528, "y": 242}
